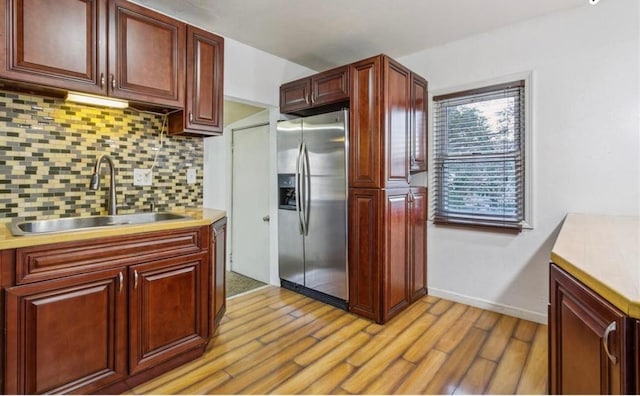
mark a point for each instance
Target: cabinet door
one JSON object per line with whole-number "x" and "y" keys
{"x": 396, "y": 271}
{"x": 580, "y": 325}
{"x": 66, "y": 335}
{"x": 418, "y": 240}
{"x": 219, "y": 255}
{"x": 365, "y": 143}
{"x": 397, "y": 103}
{"x": 205, "y": 60}
{"x": 637, "y": 362}
{"x": 58, "y": 43}
{"x": 418, "y": 159}
{"x": 147, "y": 55}
{"x": 365, "y": 252}
{"x": 330, "y": 86}
{"x": 295, "y": 95}
{"x": 167, "y": 309}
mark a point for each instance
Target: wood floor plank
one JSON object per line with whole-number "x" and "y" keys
{"x": 206, "y": 384}
{"x": 278, "y": 349}
{"x": 331, "y": 342}
{"x": 507, "y": 376}
{"x": 320, "y": 367}
{"x": 440, "y": 307}
{"x": 265, "y": 367}
{"x": 457, "y": 332}
{"x": 525, "y": 330}
{"x": 390, "y": 378}
{"x": 424, "y": 372}
{"x": 534, "y": 375}
{"x": 487, "y": 320}
{"x": 498, "y": 339}
{"x": 435, "y": 333}
{"x": 330, "y": 328}
{"x": 392, "y": 329}
{"x": 432, "y": 299}
{"x": 454, "y": 368}
{"x": 325, "y": 384}
{"x": 394, "y": 350}
{"x": 477, "y": 378}
{"x": 268, "y": 383}
{"x": 310, "y": 316}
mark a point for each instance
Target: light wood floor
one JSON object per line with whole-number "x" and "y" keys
{"x": 275, "y": 341}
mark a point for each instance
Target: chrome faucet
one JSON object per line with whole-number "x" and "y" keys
{"x": 95, "y": 183}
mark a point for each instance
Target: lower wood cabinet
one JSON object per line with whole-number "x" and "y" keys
{"x": 67, "y": 335}
{"x": 168, "y": 304}
{"x": 104, "y": 315}
{"x": 387, "y": 250}
{"x": 590, "y": 341}
{"x": 218, "y": 255}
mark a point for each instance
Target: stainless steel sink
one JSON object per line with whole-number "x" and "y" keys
{"x": 20, "y": 227}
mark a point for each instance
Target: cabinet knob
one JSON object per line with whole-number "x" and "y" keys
{"x": 190, "y": 117}
{"x": 605, "y": 341}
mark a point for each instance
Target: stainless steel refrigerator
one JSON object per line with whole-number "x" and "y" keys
{"x": 312, "y": 206}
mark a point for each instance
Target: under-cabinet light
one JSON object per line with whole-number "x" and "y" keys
{"x": 96, "y": 100}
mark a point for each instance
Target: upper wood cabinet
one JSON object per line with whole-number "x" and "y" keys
{"x": 326, "y": 88}
{"x": 119, "y": 49}
{"x": 590, "y": 346}
{"x": 147, "y": 55}
{"x": 418, "y": 134}
{"x": 58, "y": 43}
{"x": 204, "y": 86}
{"x": 383, "y": 118}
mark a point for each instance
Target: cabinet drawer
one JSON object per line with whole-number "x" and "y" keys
{"x": 44, "y": 262}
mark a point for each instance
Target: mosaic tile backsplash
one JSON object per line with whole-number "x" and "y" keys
{"x": 48, "y": 149}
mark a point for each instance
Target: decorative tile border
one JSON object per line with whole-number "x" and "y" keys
{"x": 48, "y": 148}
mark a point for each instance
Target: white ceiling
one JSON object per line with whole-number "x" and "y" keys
{"x": 321, "y": 34}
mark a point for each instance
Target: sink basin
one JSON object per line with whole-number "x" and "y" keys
{"x": 24, "y": 227}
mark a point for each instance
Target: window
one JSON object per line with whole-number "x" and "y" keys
{"x": 479, "y": 155}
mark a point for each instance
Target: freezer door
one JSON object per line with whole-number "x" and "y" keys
{"x": 289, "y": 138}
{"x": 290, "y": 237}
{"x": 325, "y": 203}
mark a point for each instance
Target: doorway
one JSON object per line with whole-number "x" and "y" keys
{"x": 250, "y": 201}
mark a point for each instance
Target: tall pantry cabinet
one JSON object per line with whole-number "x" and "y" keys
{"x": 387, "y": 217}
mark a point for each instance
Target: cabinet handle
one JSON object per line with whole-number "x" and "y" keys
{"x": 307, "y": 98}
{"x": 121, "y": 281}
{"x": 101, "y": 80}
{"x": 605, "y": 341}
{"x": 135, "y": 279}
{"x": 113, "y": 82}
{"x": 190, "y": 117}
{"x": 413, "y": 160}
{"x": 215, "y": 233}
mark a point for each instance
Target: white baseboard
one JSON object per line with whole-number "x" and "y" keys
{"x": 489, "y": 305}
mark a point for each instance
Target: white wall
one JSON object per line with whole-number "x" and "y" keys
{"x": 586, "y": 144}
{"x": 255, "y": 76}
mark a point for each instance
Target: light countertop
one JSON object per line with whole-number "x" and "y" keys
{"x": 199, "y": 217}
{"x": 603, "y": 252}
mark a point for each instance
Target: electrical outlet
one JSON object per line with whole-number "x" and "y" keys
{"x": 191, "y": 175}
{"x": 142, "y": 177}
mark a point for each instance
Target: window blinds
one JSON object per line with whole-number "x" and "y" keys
{"x": 479, "y": 157}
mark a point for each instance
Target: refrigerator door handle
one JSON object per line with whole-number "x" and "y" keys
{"x": 298, "y": 189}
{"x": 307, "y": 190}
